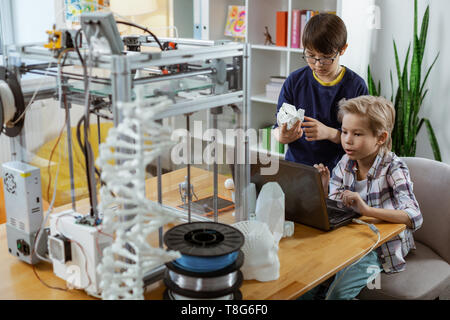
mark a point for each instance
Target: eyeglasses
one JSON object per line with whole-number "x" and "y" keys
{"x": 322, "y": 61}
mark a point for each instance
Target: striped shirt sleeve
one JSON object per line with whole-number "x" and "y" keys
{"x": 404, "y": 198}
{"x": 336, "y": 185}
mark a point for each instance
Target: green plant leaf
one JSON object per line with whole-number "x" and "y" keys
{"x": 415, "y": 19}
{"x": 428, "y": 73}
{"x": 405, "y": 103}
{"x": 422, "y": 98}
{"x": 420, "y": 124}
{"x": 410, "y": 94}
{"x": 423, "y": 32}
{"x": 397, "y": 64}
{"x": 433, "y": 141}
{"x": 371, "y": 83}
{"x": 414, "y": 83}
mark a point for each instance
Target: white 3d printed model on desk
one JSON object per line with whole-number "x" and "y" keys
{"x": 125, "y": 263}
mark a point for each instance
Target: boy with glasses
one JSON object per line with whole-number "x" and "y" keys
{"x": 317, "y": 88}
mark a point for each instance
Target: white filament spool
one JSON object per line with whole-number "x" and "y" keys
{"x": 204, "y": 284}
{"x": 9, "y": 105}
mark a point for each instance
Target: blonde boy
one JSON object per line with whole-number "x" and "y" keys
{"x": 375, "y": 182}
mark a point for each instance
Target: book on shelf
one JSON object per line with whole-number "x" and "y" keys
{"x": 271, "y": 144}
{"x": 266, "y": 138}
{"x": 305, "y": 15}
{"x": 302, "y": 26}
{"x": 280, "y": 79}
{"x": 295, "y": 28}
{"x": 281, "y": 28}
{"x": 299, "y": 20}
{"x": 273, "y": 88}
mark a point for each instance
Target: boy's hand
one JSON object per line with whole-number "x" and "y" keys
{"x": 287, "y": 136}
{"x": 353, "y": 199}
{"x": 316, "y": 130}
{"x": 324, "y": 176}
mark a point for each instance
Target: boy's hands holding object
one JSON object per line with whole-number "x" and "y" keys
{"x": 354, "y": 200}
{"x": 287, "y": 136}
{"x": 324, "y": 176}
{"x": 289, "y": 120}
{"x": 316, "y": 130}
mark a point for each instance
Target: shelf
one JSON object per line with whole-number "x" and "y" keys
{"x": 262, "y": 98}
{"x": 275, "y": 48}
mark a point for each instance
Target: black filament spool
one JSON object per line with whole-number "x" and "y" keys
{"x": 11, "y": 79}
{"x": 204, "y": 239}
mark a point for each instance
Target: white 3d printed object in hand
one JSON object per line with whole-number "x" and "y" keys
{"x": 290, "y": 115}
{"x": 260, "y": 251}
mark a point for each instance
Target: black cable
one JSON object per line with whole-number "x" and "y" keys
{"x": 85, "y": 158}
{"x": 82, "y": 146}
{"x": 99, "y": 136}
{"x": 75, "y": 44}
{"x": 145, "y": 29}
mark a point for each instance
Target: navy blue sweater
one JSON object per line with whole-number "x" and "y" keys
{"x": 320, "y": 102}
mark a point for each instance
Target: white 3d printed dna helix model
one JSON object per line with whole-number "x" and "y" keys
{"x": 126, "y": 211}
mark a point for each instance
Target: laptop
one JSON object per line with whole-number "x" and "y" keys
{"x": 305, "y": 201}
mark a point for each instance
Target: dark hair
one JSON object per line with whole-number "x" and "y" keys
{"x": 325, "y": 33}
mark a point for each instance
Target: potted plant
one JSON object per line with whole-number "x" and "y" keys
{"x": 410, "y": 95}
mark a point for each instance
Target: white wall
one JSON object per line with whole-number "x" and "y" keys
{"x": 184, "y": 18}
{"x": 31, "y": 19}
{"x": 358, "y": 18}
{"x": 397, "y": 23}
{"x": 372, "y": 43}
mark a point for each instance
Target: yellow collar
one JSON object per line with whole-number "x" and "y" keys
{"x": 332, "y": 83}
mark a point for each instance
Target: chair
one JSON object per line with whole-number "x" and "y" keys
{"x": 427, "y": 272}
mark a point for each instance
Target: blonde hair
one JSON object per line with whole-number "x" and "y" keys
{"x": 378, "y": 110}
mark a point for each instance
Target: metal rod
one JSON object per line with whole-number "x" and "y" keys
{"x": 99, "y": 134}
{"x": 188, "y": 160}
{"x": 158, "y": 170}
{"x": 174, "y": 76}
{"x": 68, "y": 105}
{"x": 72, "y": 76}
{"x": 154, "y": 275}
{"x": 215, "y": 168}
{"x": 188, "y": 41}
{"x": 43, "y": 93}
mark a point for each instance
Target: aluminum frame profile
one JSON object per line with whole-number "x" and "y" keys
{"x": 121, "y": 82}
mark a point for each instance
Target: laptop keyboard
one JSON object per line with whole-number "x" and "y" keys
{"x": 337, "y": 212}
{"x": 337, "y": 217}
{"x": 334, "y": 204}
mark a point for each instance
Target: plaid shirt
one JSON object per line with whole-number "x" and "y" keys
{"x": 388, "y": 187}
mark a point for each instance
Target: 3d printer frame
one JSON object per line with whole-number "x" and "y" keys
{"x": 201, "y": 58}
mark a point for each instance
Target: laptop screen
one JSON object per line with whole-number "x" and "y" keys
{"x": 302, "y": 186}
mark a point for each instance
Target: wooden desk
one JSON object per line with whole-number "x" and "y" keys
{"x": 307, "y": 258}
